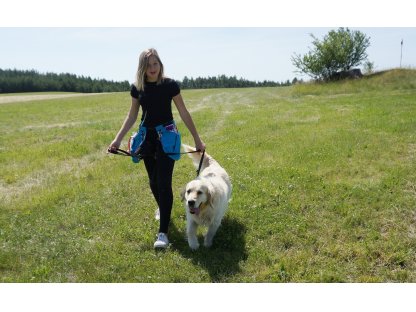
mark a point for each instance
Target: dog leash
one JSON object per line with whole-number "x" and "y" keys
{"x": 122, "y": 152}
{"x": 200, "y": 163}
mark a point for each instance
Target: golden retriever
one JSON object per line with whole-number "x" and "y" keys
{"x": 205, "y": 198}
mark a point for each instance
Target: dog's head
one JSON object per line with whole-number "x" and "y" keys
{"x": 196, "y": 196}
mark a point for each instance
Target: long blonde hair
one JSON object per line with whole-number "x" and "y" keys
{"x": 141, "y": 70}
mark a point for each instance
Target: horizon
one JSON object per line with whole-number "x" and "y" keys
{"x": 113, "y": 81}
{"x": 120, "y": 81}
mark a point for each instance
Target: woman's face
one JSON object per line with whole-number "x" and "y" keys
{"x": 153, "y": 69}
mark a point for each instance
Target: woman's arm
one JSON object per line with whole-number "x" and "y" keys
{"x": 187, "y": 119}
{"x": 128, "y": 123}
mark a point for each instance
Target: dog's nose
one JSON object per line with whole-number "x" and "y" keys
{"x": 191, "y": 203}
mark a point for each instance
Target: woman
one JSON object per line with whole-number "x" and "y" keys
{"x": 154, "y": 93}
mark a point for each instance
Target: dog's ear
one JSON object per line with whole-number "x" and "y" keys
{"x": 210, "y": 197}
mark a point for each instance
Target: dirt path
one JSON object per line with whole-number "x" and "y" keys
{"x": 36, "y": 97}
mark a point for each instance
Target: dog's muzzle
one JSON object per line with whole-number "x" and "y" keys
{"x": 192, "y": 208}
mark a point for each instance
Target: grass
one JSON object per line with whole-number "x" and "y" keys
{"x": 323, "y": 175}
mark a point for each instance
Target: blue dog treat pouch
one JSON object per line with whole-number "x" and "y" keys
{"x": 135, "y": 143}
{"x": 171, "y": 140}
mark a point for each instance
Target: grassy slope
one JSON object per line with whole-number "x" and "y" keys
{"x": 324, "y": 188}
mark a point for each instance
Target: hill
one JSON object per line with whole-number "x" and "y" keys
{"x": 395, "y": 79}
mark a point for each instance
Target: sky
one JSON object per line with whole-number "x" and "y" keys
{"x": 253, "y": 53}
{"x": 254, "y": 40}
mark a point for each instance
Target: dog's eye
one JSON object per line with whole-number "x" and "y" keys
{"x": 199, "y": 192}
{"x": 188, "y": 191}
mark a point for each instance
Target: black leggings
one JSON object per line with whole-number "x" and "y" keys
{"x": 159, "y": 169}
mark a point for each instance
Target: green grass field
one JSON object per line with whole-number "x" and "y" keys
{"x": 324, "y": 181}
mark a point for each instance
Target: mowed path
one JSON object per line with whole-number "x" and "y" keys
{"x": 37, "y": 97}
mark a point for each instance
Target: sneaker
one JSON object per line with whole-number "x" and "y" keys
{"x": 157, "y": 214}
{"x": 162, "y": 241}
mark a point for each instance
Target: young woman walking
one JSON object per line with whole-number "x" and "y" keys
{"x": 153, "y": 92}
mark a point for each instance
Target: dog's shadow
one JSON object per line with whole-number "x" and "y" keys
{"x": 223, "y": 258}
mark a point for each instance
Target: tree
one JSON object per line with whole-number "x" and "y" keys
{"x": 339, "y": 51}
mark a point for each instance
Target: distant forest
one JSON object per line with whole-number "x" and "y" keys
{"x": 226, "y": 82}
{"x": 13, "y": 80}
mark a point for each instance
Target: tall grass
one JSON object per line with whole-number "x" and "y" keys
{"x": 323, "y": 175}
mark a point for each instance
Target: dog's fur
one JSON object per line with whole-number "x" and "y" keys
{"x": 205, "y": 198}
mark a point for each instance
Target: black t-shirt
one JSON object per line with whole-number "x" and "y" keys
{"x": 156, "y": 101}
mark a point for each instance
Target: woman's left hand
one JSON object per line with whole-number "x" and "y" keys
{"x": 200, "y": 146}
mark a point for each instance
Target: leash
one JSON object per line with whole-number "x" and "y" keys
{"x": 200, "y": 163}
{"x": 122, "y": 152}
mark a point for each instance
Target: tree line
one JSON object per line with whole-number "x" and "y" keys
{"x": 13, "y": 80}
{"x": 224, "y": 81}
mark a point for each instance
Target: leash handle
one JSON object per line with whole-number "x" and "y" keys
{"x": 119, "y": 151}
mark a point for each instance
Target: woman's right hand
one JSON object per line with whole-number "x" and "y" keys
{"x": 113, "y": 146}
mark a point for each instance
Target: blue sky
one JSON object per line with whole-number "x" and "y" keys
{"x": 254, "y": 53}
{"x": 250, "y": 39}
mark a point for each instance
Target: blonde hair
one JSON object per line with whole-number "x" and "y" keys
{"x": 141, "y": 70}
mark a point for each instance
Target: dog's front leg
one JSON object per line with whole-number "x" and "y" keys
{"x": 212, "y": 229}
{"x": 191, "y": 230}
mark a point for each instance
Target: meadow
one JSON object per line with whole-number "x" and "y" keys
{"x": 324, "y": 188}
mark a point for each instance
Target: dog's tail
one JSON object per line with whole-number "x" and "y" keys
{"x": 196, "y": 157}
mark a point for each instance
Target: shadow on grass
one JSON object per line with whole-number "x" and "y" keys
{"x": 223, "y": 258}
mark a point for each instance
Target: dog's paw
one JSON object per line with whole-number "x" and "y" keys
{"x": 207, "y": 242}
{"x": 193, "y": 244}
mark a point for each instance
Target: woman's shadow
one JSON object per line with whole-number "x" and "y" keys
{"x": 223, "y": 258}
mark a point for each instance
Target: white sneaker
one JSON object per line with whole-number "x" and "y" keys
{"x": 157, "y": 214}
{"x": 162, "y": 241}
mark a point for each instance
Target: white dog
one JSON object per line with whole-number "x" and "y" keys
{"x": 205, "y": 198}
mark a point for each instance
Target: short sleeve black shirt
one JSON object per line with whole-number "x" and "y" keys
{"x": 156, "y": 101}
